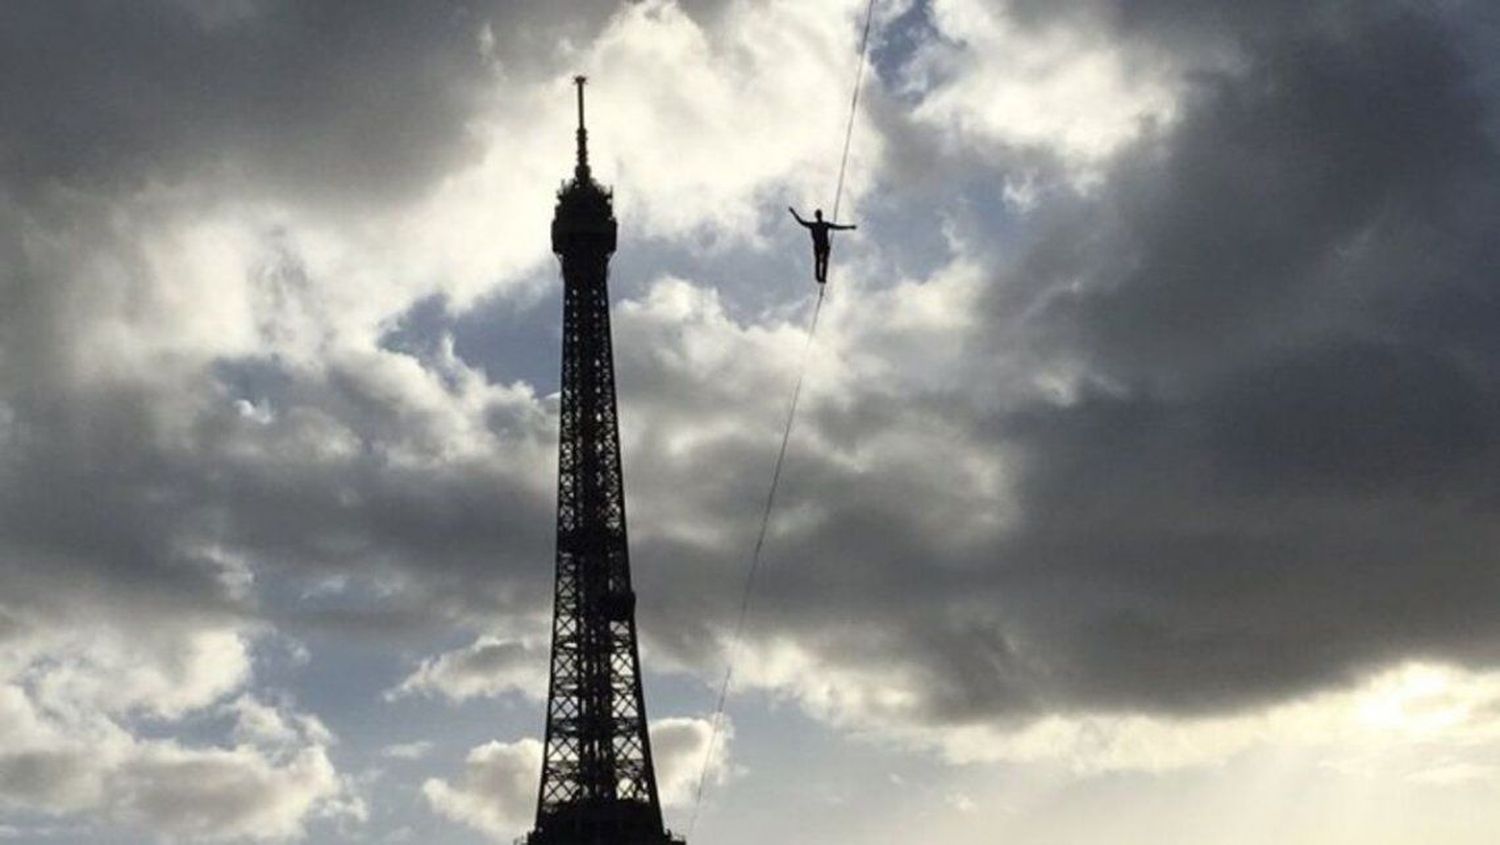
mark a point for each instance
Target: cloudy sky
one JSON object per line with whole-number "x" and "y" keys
{"x": 1146, "y": 487}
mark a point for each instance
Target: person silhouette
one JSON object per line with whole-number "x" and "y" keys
{"x": 821, "y": 246}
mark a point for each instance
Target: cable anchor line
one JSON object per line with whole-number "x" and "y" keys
{"x": 717, "y": 723}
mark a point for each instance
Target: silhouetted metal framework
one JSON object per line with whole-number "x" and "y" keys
{"x": 598, "y": 783}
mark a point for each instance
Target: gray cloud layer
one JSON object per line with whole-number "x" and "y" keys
{"x": 1282, "y": 473}
{"x": 1215, "y": 429}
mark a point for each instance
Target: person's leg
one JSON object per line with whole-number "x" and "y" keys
{"x": 820, "y": 269}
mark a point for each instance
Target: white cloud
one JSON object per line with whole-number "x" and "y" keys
{"x": 496, "y": 793}
{"x": 1066, "y": 85}
{"x": 1432, "y": 723}
{"x": 960, "y": 802}
{"x": 407, "y": 750}
{"x": 160, "y": 673}
{"x": 488, "y": 667}
{"x": 227, "y": 793}
{"x": 678, "y": 747}
{"x": 697, "y": 124}
{"x": 267, "y": 725}
{"x": 70, "y": 702}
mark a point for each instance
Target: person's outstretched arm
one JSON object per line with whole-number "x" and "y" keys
{"x": 796, "y": 215}
{"x": 843, "y": 228}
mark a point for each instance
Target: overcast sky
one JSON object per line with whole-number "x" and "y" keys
{"x": 1146, "y": 487}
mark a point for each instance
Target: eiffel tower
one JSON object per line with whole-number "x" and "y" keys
{"x": 598, "y": 784}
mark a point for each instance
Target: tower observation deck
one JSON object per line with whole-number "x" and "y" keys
{"x": 598, "y": 784}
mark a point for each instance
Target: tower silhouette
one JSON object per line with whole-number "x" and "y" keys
{"x": 598, "y": 783}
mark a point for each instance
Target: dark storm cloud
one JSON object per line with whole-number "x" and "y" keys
{"x": 110, "y": 96}
{"x": 354, "y": 101}
{"x": 1287, "y": 301}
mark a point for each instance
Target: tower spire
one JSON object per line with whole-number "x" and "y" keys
{"x": 581, "y": 170}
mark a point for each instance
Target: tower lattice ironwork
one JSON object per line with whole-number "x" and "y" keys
{"x": 598, "y": 783}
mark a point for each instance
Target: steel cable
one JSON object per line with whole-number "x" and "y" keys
{"x": 717, "y": 724}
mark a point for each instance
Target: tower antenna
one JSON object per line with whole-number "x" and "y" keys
{"x": 581, "y": 170}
